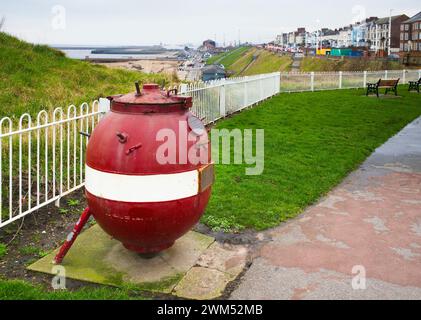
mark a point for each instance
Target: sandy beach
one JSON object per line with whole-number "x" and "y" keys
{"x": 148, "y": 66}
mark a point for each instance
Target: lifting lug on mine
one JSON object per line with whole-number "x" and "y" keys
{"x": 122, "y": 137}
{"x": 172, "y": 90}
{"x": 138, "y": 92}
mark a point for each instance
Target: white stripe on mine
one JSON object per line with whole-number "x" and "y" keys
{"x": 146, "y": 188}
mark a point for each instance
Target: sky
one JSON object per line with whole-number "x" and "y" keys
{"x": 146, "y": 22}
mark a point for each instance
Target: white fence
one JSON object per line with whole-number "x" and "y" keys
{"x": 313, "y": 81}
{"x": 216, "y": 99}
{"x": 42, "y": 159}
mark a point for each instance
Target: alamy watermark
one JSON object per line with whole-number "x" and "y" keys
{"x": 239, "y": 147}
{"x": 58, "y": 21}
{"x": 359, "y": 281}
{"x": 249, "y": 148}
{"x": 59, "y": 280}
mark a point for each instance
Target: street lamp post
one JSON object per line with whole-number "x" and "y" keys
{"x": 390, "y": 33}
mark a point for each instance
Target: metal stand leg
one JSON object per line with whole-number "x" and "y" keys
{"x": 72, "y": 236}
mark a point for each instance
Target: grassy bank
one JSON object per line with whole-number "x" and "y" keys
{"x": 257, "y": 61}
{"x": 242, "y": 62}
{"x": 267, "y": 62}
{"x": 312, "y": 141}
{"x": 35, "y": 77}
{"x": 227, "y": 58}
{"x": 316, "y": 64}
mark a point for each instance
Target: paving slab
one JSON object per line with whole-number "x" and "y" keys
{"x": 96, "y": 257}
{"x": 361, "y": 241}
{"x": 218, "y": 265}
{"x": 202, "y": 284}
{"x": 226, "y": 258}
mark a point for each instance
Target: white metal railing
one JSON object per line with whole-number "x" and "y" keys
{"x": 42, "y": 159}
{"x": 216, "y": 99}
{"x": 313, "y": 81}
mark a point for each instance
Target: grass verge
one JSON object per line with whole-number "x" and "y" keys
{"x": 21, "y": 290}
{"x": 323, "y": 64}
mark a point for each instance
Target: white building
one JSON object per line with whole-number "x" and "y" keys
{"x": 282, "y": 39}
{"x": 330, "y": 38}
{"x": 378, "y": 33}
{"x": 344, "y": 39}
{"x": 297, "y": 38}
{"x": 359, "y": 33}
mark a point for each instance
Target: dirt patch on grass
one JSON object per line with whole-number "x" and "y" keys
{"x": 37, "y": 234}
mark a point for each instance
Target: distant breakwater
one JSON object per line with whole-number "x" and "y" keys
{"x": 112, "y": 51}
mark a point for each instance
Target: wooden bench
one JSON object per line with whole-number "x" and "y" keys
{"x": 415, "y": 85}
{"x": 389, "y": 85}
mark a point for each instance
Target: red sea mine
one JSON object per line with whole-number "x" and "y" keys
{"x": 135, "y": 194}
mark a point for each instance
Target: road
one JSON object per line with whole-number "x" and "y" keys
{"x": 192, "y": 69}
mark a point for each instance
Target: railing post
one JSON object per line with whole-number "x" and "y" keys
{"x": 419, "y": 73}
{"x": 274, "y": 85}
{"x": 104, "y": 106}
{"x": 404, "y": 76}
{"x": 340, "y": 79}
{"x": 385, "y": 74}
{"x": 183, "y": 88}
{"x": 261, "y": 87}
{"x": 245, "y": 102}
{"x": 222, "y": 111}
{"x": 278, "y": 83}
{"x": 312, "y": 81}
{"x": 1, "y": 178}
{"x": 365, "y": 79}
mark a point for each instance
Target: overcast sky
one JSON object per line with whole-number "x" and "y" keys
{"x": 131, "y": 22}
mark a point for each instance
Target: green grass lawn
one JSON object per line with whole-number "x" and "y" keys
{"x": 312, "y": 141}
{"x": 21, "y": 290}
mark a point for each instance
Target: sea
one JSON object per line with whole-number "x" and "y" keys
{"x": 82, "y": 54}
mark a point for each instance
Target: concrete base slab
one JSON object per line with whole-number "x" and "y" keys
{"x": 96, "y": 257}
{"x": 196, "y": 267}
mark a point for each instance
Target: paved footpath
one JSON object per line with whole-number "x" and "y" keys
{"x": 372, "y": 219}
